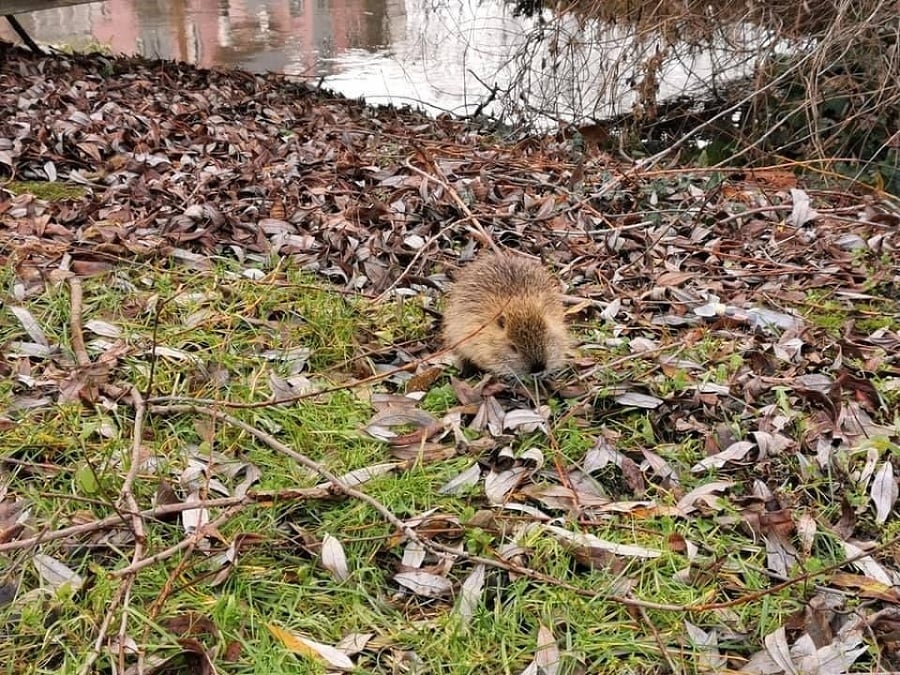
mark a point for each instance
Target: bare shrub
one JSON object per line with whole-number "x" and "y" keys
{"x": 814, "y": 80}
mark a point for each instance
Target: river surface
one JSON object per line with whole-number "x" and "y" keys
{"x": 440, "y": 55}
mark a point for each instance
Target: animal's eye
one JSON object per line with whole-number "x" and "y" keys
{"x": 501, "y": 321}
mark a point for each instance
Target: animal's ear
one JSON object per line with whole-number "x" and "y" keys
{"x": 501, "y": 321}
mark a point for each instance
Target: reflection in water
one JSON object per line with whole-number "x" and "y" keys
{"x": 259, "y": 35}
{"x": 444, "y": 55}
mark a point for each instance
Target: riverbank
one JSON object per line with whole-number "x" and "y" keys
{"x": 206, "y": 273}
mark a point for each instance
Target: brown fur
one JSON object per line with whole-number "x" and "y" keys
{"x": 504, "y": 315}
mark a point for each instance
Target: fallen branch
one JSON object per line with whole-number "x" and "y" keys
{"x": 75, "y": 328}
{"x": 121, "y": 519}
{"x": 188, "y": 542}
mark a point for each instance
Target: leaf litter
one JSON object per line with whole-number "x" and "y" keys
{"x": 732, "y": 411}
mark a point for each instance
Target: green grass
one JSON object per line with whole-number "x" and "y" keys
{"x": 45, "y": 190}
{"x": 221, "y": 336}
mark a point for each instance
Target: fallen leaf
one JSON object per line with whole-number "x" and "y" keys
{"x": 334, "y": 559}
{"x": 331, "y": 657}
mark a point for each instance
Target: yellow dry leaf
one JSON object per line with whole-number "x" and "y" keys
{"x": 334, "y": 658}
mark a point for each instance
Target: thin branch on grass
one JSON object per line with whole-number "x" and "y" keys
{"x": 126, "y": 503}
{"x": 189, "y": 542}
{"x": 75, "y": 327}
{"x": 660, "y": 643}
{"x": 121, "y": 518}
{"x": 298, "y": 457}
{"x": 103, "y": 631}
{"x": 154, "y": 342}
{"x": 341, "y": 486}
{"x": 127, "y": 500}
{"x": 235, "y": 405}
{"x": 236, "y": 504}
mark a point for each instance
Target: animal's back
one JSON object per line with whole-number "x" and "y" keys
{"x": 504, "y": 314}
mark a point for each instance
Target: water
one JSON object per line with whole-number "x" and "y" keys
{"x": 440, "y": 55}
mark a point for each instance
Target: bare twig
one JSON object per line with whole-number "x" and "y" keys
{"x": 157, "y": 400}
{"x": 97, "y": 648}
{"x": 674, "y": 668}
{"x": 120, "y": 519}
{"x": 433, "y": 546}
{"x": 127, "y": 500}
{"x": 477, "y": 228}
{"x": 187, "y": 543}
{"x": 126, "y": 503}
{"x": 298, "y": 457}
{"x": 75, "y": 327}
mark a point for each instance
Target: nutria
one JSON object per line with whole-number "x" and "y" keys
{"x": 504, "y": 315}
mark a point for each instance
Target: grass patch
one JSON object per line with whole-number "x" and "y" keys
{"x": 221, "y": 336}
{"x": 51, "y": 191}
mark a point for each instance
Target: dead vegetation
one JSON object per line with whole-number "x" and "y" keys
{"x": 732, "y": 82}
{"x": 213, "y": 460}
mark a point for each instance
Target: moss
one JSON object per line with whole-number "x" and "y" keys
{"x": 52, "y": 192}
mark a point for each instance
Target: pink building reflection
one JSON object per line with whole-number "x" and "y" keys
{"x": 259, "y": 35}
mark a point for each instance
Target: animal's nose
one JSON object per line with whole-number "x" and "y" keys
{"x": 537, "y": 367}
